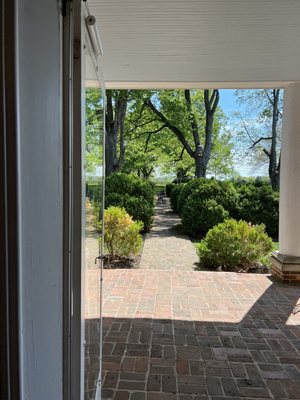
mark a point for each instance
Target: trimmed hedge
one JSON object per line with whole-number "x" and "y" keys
{"x": 222, "y": 192}
{"x": 259, "y": 203}
{"x": 208, "y": 203}
{"x": 254, "y": 202}
{"x": 198, "y": 216}
{"x": 175, "y": 192}
{"x": 186, "y": 191}
{"x": 137, "y": 207}
{"x": 133, "y": 194}
{"x": 169, "y": 187}
{"x": 130, "y": 184}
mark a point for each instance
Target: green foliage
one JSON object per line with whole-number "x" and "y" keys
{"x": 94, "y": 117}
{"x": 169, "y": 187}
{"x": 130, "y": 184}
{"x": 93, "y": 190}
{"x": 200, "y": 215}
{"x": 121, "y": 237}
{"x": 151, "y": 145}
{"x": 203, "y": 203}
{"x": 234, "y": 244}
{"x": 137, "y": 207}
{"x": 174, "y": 195}
{"x": 133, "y": 194}
{"x": 222, "y": 192}
{"x": 186, "y": 191}
{"x": 259, "y": 203}
{"x": 254, "y": 202}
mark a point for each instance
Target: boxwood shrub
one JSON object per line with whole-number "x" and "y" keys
{"x": 175, "y": 192}
{"x": 137, "y": 207}
{"x": 200, "y": 215}
{"x": 169, "y": 187}
{"x": 208, "y": 203}
{"x": 130, "y": 184}
{"x": 186, "y": 190}
{"x": 259, "y": 203}
{"x": 222, "y": 192}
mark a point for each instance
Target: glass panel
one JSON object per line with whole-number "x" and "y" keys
{"x": 94, "y": 187}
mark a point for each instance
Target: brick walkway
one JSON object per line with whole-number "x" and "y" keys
{"x": 172, "y": 335}
{"x": 164, "y": 248}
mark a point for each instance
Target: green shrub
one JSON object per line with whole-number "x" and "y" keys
{"x": 129, "y": 184}
{"x": 137, "y": 207}
{"x": 175, "y": 192}
{"x": 169, "y": 187}
{"x": 93, "y": 191}
{"x": 234, "y": 244}
{"x": 259, "y": 203}
{"x": 223, "y": 193}
{"x": 198, "y": 216}
{"x": 202, "y": 203}
{"x": 121, "y": 233}
{"x": 133, "y": 194}
{"x": 187, "y": 189}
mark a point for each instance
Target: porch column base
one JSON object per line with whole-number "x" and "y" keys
{"x": 285, "y": 268}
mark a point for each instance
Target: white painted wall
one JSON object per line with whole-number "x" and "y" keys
{"x": 41, "y": 198}
{"x": 289, "y": 207}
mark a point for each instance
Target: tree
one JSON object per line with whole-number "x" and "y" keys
{"x": 94, "y": 117}
{"x": 182, "y": 113}
{"x": 138, "y": 141}
{"x": 116, "y": 107}
{"x": 261, "y": 129}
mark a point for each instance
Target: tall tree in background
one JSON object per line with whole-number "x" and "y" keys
{"x": 261, "y": 130}
{"x": 94, "y": 118}
{"x": 116, "y": 107}
{"x": 183, "y": 116}
{"x": 139, "y": 141}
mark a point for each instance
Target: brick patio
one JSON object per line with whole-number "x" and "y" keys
{"x": 173, "y": 335}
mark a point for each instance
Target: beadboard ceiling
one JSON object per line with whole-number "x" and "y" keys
{"x": 198, "y": 43}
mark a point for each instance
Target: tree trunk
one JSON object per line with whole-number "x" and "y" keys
{"x": 200, "y": 168}
{"x": 110, "y": 151}
{"x": 275, "y": 180}
{"x": 200, "y": 155}
{"x": 274, "y": 169}
{"x": 114, "y": 132}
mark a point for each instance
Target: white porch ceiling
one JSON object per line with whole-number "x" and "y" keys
{"x": 199, "y": 43}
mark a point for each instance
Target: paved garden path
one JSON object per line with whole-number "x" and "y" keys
{"x": 191, "y": 335}
{"x": 164, "y": 248}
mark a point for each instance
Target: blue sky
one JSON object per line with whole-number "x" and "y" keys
{"x": 227, "y": 101}
{"x": 229, "y": 105}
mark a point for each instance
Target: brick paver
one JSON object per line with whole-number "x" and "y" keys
{"x": 188, "y": 335}
{"x": 163, "y": 247}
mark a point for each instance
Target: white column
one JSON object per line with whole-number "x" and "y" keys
{"x": 289, "y": 209}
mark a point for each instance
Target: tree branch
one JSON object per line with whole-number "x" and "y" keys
{"x": 266, "y": 152}
{"x": 259, "y": 140}
{"x": 179, "y": 134}
{"x": 180, "y": 156}
{"x": 147, "y": 141}
{"x": 143, "y": 124}
{"x": 150, "y": 132}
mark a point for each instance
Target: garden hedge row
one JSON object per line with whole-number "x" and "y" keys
{"x": 133, "y": 194}
{"x": 204, "y": 203}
